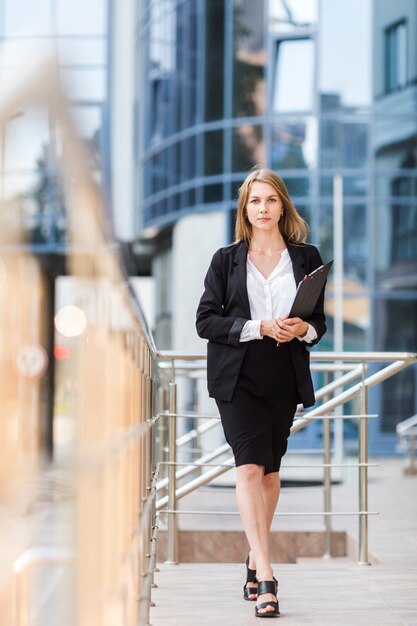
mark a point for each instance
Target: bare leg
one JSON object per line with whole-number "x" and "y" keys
{"x": 271, "y": 487}
{"x": 256, "y": 520}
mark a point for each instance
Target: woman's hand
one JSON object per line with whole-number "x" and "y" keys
{"x": 284, "y": 329}
{"x": 290, "y": 327}
{"x": 270, "y": 328}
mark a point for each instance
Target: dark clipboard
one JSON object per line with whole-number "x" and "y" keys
{"x": 308, "y": 292}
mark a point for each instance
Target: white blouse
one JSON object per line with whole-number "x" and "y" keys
{"x": 271, "y": 297}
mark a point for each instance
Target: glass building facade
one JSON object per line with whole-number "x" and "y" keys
{"x": 312, "y": 89}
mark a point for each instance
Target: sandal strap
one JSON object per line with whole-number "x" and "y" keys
{"x": 251, "y": 576}
{"x": 263, "y": 605}
{"x": 254, "y": 581}
{"x": 249, "y": 591}
{"x": 267, "y": 586}
{"x": 250, "y": 573}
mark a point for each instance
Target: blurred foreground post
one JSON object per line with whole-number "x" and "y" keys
{"x": 96, "y": 501}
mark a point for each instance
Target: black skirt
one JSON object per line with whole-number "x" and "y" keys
{"x": 258, "y": 419}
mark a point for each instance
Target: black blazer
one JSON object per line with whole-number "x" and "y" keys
{"x": 224, "y": 309}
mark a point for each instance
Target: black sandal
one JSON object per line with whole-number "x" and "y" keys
{"x": 268, "y": 586}
{"x": 250, "y": 578}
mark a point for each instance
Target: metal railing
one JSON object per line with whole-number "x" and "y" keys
{"x": 351, "y": 367}
{"x": 407, "y": 435}
{"x": 106, "y": 449}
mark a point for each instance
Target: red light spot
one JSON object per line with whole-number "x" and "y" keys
{"x": 61, "y": 353}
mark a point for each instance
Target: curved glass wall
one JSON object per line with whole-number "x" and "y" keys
{"x": 314, "y": 90}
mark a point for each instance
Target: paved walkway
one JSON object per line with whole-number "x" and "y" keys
{"x": 335, "y": 592}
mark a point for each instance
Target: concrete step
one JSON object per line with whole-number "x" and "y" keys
{"x": 230, "y": 546}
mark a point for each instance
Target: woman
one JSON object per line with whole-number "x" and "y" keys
{"x": 243, "y": 312}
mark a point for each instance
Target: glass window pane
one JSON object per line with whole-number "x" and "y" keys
{"x": 248, "y": 147}
{"x": 396, "y": 329}
{"x": 86, "y": 17}
{"x": 300, "y": 11}
{"x": 396, "y": 230}
{"x": 396, "y": 56}
{"x": 294, "y": 143}
{"x": 214, "y": 59}
{"x": 298, "y": 187}
{"x": 23, "y": 18}
{"x": 88, "y": 120}
{"x": 213, "y": 193}
{"x": 343, "y": 142}
{"x": 345, "y": 30}
{"x": 293, "y": 76}
{"x": 85, "y": 84}
{"x": 26, "y": 140}
{"x": 77, "y": 51}
{"x": 15, "y": 52}
{"x": 248, "y": 59}
{"x": 21, "y": 185}
{"x": 213, "y": 153}
{"x": 353, "y": 185}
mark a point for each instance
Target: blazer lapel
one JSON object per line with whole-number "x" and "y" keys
{"x": 297, "y": 261}
{"x": 241, "y": 276}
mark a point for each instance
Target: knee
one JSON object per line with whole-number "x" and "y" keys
{"x": 250, "y": 473}
{"x": 271, "y": 479}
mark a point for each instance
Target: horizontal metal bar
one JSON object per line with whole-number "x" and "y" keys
{"x": 340, "y": 417}
{"x": 200, "y": 481}
{"x": 287, "y": 513}
{"x": 42, "y": 554}
{"x": 190, "y": 415}
{"x": 337, "y": 384}
{"x": 332, "y": 367}
{"x": 282, "y": 466}
{"x": 195, "y": 432}
{"x": 191, "y": 366}
{"x": 405, "y": 425}
{"x": 350, "y": 393}
{"x": 318, "y": 417}
{"x": 206, "y": 458}
{"x": 362, "y": 357}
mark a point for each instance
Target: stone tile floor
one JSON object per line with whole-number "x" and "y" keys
{"x": 336, "y": 592}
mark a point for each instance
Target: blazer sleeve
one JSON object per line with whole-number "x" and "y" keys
{"x": 318, "y": 318}
{"x": 211, "y": 322}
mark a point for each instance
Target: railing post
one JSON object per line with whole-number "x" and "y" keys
{"x": 327, "y": 479}
{"x": 172, "y": 478}
{"x": 327, "y": 488}
{"x": 411, "y": 469}
{"x": 363, "y": 477}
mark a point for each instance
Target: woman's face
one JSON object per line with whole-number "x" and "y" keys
{"x": 264, "y": 206}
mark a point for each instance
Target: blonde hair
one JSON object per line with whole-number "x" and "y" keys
{"x": 291, "y": 224}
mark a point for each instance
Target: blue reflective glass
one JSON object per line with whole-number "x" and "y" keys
{"x": 293, "y": 143}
